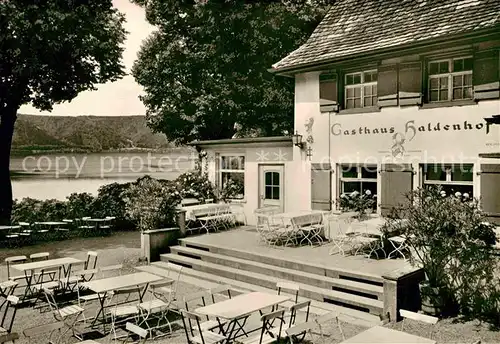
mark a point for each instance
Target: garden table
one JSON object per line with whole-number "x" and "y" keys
{"x": 29, "y": 268}
{"x": 384, "y": 335}
{"x": 237, "y": 310}
{"x": 287, "y": 218}
{"x": 103, "y": 286}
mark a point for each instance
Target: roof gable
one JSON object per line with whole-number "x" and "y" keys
{"x": 358, "y": 26}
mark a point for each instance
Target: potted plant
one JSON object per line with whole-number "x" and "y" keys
{"x": 450, "y": 240}
{"x": 363, "y": 204}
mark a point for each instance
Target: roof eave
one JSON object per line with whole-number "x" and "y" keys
{"x": 304, "y": 67}
{"x": 242, "y": 141}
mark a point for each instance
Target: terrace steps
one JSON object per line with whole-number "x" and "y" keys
{"x": 208, "y": 281}
{"x": 350, "y": 291}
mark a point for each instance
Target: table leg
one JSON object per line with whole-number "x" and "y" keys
{"x": 29, "y": 279}
{"x": 102, "y": 299}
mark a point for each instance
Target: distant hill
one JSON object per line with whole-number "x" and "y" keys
{"x": 88, "y": 133}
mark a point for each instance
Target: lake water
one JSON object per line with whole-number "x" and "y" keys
{"x": 59, "y": 175}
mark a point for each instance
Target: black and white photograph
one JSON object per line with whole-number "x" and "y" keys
{"x": 250, "y": 172}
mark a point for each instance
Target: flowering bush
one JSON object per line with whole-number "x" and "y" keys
{"x": 357, "y": 202}
{"x": 194, "y": 184}
{"x": 451, "y": 240}
{"x": 233, "y": 189}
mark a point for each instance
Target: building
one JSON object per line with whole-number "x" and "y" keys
{"x": 389, "y": 96}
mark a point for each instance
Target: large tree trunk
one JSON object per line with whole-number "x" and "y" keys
{"x": 7, "y": 121}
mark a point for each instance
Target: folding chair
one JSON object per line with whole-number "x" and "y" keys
{"x": 286, "y": 286}
{"x": 266, "y": 336}
{"x": 197, "y": 335}
{"x": 174, "y": 272}
{"x": 123, "y": 311}
{"x": 294, "y": 309}
{"x": 9, "y": 314}
{"x": 345, "y": 234}
{"x": 68, "y": 315}
{"x": 207, "y": 324}
{"x": 297, "y": 333}
{"x": 418, "y": 317}
{"x": 157, "y": 307}
{"x": 84, "y": 275}
{"x": 12, "y": 261}
{"x": 221, "y": 290}
{"x": 35, "y": 332}
{"x": 136, "y": 330}
{"x": 365, "y": 241}
{"x": 35, "y": 257}
{"x": 6, "y": 289}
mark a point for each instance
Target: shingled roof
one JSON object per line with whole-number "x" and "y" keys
{"x": 352, "y": 27}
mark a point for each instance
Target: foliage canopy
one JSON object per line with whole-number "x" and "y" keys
{"x": 205, "y": 70}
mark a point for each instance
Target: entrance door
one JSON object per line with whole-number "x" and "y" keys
{"x": 271, "y": 186}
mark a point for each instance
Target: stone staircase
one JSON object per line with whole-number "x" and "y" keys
{"x": 356, "y": 295}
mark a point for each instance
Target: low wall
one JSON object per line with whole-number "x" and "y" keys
{"x": 401, "y": 291}
{"x": 157, "y": 241}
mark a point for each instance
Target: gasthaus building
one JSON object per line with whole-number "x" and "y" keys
{"x": 389, "y": 96}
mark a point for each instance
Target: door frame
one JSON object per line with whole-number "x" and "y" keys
{"x": 259, "y": 203}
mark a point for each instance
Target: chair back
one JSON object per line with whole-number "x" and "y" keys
{"x": 91, "y": 261}
{"x": 199, "y": 296}
{"x": 156, "y": 289}
{"x": 51, "y": 301}
{"x": 37, "y": 331}
{"x": 297, "y": 307}
{"x": 39, "y": 256}
{"x": 14, "y": 260}
{"x": 288, "y": 287}
{"x": 104, "y": 270}
{"x": 9, "y": 313}
{"x": 222, "y": 289}
{"x": 188, "y": 325}
{"x": 174, "y": 272}
{"x": 267, "y": 321}
{"x": 136, "y": 330}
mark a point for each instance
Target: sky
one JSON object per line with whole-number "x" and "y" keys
{"x": 115, "y": 98}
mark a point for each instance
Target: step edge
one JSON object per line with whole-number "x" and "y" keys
{"x": 369, "y": 288}
{"x": 313, "y": 265}
{"x": 325, "y": 292}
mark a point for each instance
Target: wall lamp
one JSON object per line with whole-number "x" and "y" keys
{"x": 297, "y": 140}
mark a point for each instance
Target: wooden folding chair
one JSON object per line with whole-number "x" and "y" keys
{"x": 9, "y": 337}
{"x": 9, "y": 314}
{"x": 266, "y": 335}
{"x": 122, "y": 310}
{"x": 157, "y": 308}
{"x": 201, "y": 296}
{"x": 197, "y": 335}
{"x": 12, "y": 261}
{"x": 69, "y": 315}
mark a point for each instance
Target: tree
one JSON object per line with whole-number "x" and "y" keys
{"x": 50, "y": 51}
{"x": 205, "y": 69}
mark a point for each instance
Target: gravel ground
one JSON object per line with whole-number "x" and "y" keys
{"x": 124, "y": 248}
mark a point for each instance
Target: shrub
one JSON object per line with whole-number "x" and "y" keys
{"x": 195, "y": 184}
{"x": 80, "y": 205}
{"x": 451, "y": 240}
{"x": 27, "y": 210}
{"x": 151, "y": 204}
{"x": 110, "y": 202}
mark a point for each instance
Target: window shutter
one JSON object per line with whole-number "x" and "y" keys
{"x": 328, "y": 92}
{"x": 486, "y": 75}
{"x": 387, "y": 85}
{"x": 216, "y": 169}
{"x": 396, "y": 182}
{"x": 321, "y": 187}
{"x": 410, "y": 83}
{"x": 490, "y": 191}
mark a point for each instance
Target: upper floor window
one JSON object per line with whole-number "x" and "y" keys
{"x": 450, "y": 79}
{"x": 361, "y": 89}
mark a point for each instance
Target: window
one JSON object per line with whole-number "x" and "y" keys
{"x": 361, "y": 89}
{"x": 272, "y": 185}
{"x": 358, "y": 178}
{"x": 453, "y": 178}
{"x": 232, "y": 175}
{"x": 450, "y": 79}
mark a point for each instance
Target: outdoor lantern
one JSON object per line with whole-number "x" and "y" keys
{"x": 297, "y": 140}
